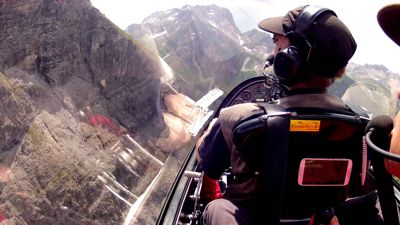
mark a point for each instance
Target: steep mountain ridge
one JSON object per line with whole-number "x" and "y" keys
{"x": 71, "y": 84}
{"x": 202, "y": 45}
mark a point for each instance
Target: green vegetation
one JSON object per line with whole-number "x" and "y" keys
{"x": 17, "y": 93}
{"x": 35, "y": 135}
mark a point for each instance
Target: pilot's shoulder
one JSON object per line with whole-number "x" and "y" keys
{"x": 359, "y": 110}
{"x": 240, "y": 108}
{"x": 238, "y": 111}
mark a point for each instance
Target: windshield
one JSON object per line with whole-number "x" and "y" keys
{"x": 98, "y": 119}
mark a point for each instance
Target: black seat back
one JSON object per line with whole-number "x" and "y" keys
{"x": 333, "y": 137}
{"x": 277, "y": 143}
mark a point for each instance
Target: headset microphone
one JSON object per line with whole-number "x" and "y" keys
{"x": 269, "y": 61}
{"x": 378, "y": 138}
{"x": 378, "y": 135}
{"x": 380, "y": 125}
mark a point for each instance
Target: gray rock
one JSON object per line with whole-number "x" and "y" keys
{"x": 58, "y": 59}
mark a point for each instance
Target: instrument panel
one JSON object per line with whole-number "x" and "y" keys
{"x": 256, "y": 89}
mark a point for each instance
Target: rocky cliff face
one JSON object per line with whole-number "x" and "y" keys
{"x": 69, "y": 45}
{"x": 71, "y": 83}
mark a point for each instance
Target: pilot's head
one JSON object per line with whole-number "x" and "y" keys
{"x": 319, "y": 45}
{"x": 389, "y": 20}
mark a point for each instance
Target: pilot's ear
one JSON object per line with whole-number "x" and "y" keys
{"x": 340, "y": 73}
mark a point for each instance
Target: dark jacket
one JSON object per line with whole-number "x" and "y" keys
{"x": 218, "y": 152}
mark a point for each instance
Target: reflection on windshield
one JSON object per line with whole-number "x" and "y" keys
{"x": 373, "y": 97}
{"x": 138, "y": 169}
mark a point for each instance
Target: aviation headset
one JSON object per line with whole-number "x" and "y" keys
{"x": 289, "y": 63}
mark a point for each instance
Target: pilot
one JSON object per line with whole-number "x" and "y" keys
{"x": 311, "y": 52}
{"x": 389, "y": 19}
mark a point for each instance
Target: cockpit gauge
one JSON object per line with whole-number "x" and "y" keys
{"x": 275, "y": 92}
{"x": 237, "y": 101}
{"x": 246, "y": 95}
{"x": 261, "y": 91}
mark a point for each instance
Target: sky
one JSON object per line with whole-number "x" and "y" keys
{"x": 374, "y": 47}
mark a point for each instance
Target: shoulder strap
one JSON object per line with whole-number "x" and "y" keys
{"x": 274, "y": 129}
{"x": 275, "y": 158}
{"x": 254, "y": 122}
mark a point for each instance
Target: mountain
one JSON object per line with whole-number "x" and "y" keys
{"x": 375, "y": 88}
{"x": 202, "y": 45}
{"x": 205, "y": 49}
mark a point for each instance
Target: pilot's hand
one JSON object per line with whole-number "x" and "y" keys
{"x": 179, "y": 105}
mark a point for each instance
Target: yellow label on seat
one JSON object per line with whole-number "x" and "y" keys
{"x": 304, "y": 125}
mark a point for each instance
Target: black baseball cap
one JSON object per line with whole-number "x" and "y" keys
{"x": 332, "y": 43}
{"x": 389, "y": 20}
{"x": 281, "y": 24}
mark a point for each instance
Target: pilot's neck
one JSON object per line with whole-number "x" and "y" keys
{"x": 313, "y": 82}
{"x": 306, "y": 90}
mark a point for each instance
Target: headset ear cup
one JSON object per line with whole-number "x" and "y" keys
{"x": 299, "y": 41}
{"x": 287, "y": 65}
